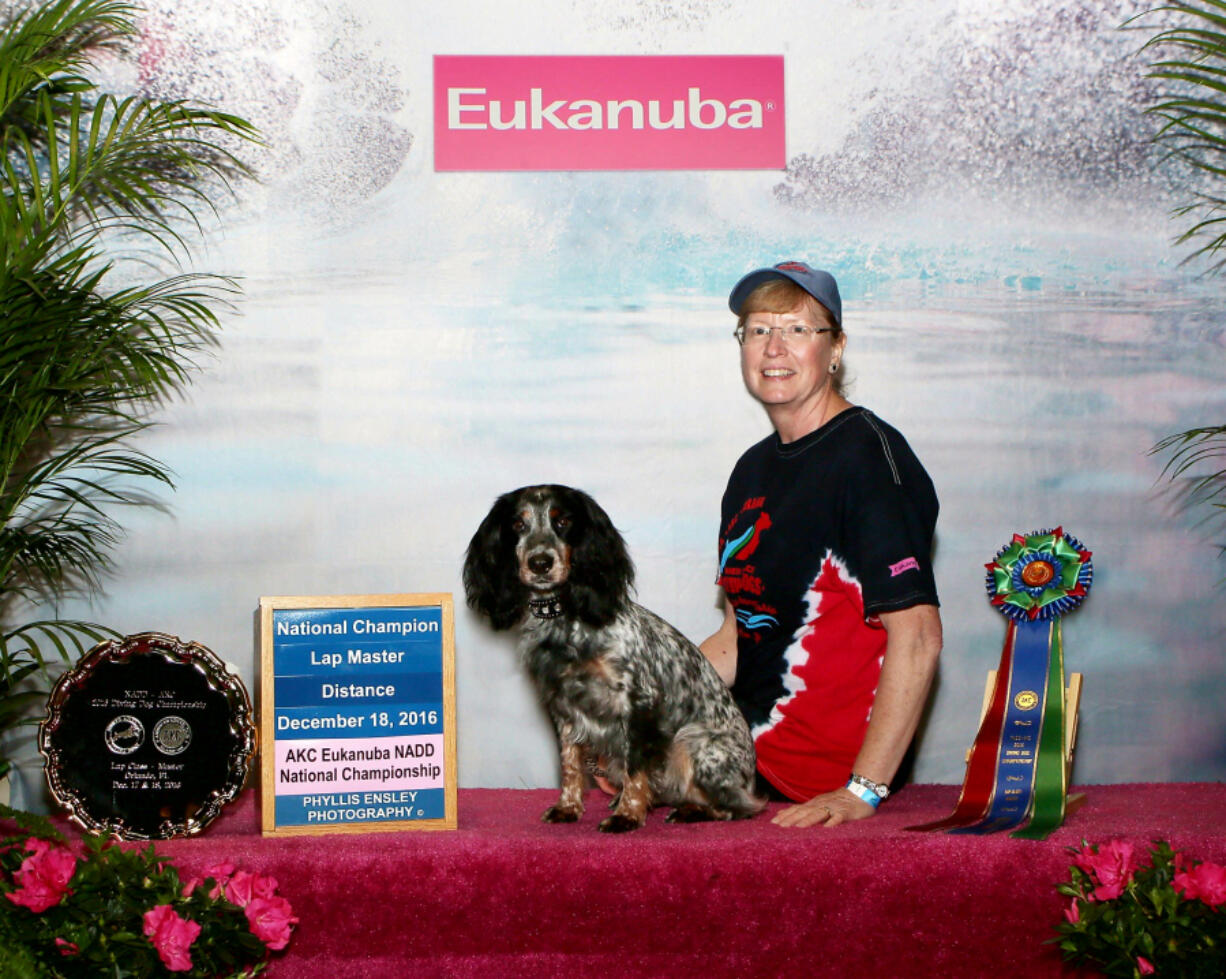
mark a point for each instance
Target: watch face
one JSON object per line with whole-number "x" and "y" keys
{"x": 147, "y": 738}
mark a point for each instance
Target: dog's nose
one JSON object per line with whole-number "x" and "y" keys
{"x": 540, "y": 563}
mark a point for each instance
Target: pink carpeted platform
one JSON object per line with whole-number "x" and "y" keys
{"x": 506, "y": 895}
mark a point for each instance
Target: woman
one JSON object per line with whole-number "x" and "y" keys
{"x": 831, "y": 632}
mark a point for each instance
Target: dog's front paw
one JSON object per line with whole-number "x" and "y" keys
{"x": 561, "y": 814}
{"x": 617, "y": 823}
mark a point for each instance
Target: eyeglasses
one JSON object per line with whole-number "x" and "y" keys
{"x": 758, "y": 335}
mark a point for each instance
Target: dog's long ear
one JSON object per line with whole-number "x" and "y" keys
{"x": 491, "y": 577}
{"x": 601, "y": 573}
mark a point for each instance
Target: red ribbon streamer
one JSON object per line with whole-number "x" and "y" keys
{"x": 980, "y": 781}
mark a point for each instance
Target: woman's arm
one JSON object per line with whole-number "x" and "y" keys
{"x": 913, "y": 645}
{"x": 720, "y": 648}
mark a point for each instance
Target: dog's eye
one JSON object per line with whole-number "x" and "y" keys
{"x": 561, "y": 522}
{"x": 518, "y": 525}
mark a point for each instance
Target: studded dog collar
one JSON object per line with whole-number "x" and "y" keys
{"x": 549, "y": 607}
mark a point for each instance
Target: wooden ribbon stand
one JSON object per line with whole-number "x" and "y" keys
{"x": 1072, "y": 701}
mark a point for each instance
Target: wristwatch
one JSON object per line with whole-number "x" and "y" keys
{"x": 882, "y": 792}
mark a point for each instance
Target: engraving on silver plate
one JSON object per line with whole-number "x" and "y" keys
{"x": 124, "y": 734}
{"x": 172, "y": 735}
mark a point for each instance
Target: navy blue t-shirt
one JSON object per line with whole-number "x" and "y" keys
{"x": 818, "y": 537}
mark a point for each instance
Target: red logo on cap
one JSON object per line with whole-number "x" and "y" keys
{"x": 792, "y": 267}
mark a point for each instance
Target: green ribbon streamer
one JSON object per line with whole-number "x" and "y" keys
{"x": 1050, "y": 789}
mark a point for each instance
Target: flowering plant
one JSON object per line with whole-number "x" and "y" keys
{"x": 106, "y": 909}
{"x": 1129, "y": 917}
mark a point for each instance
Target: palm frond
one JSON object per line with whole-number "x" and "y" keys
{"x": 119, "y": 166}
{"x": 1196, "y": 473}
{"x": 48, "y": 47}
{"x": 78, "y": 372}
{"x": 1192, "y": 43}
{"x": 69, "y": 639}
{"x": 87, "y": 180}
{"x": 1192, "y": 449}
{"x": 1192, "y": 64}
{"x": 27, "y": 653}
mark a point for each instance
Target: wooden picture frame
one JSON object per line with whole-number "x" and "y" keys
{"x": 357, "y": 713}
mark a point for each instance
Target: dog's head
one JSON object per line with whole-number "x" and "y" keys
{"x": 539, "y": 541}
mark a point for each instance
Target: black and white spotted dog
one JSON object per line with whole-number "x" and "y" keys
{"x": 617, "y": 681}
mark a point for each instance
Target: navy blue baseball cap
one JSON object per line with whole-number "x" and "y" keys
{"x": 818, "y": 284}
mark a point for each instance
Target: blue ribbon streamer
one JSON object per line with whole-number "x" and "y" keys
{"x": 1019, "y": 742}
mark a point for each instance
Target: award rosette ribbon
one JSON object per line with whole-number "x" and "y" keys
{"x": 1017, "y": 775}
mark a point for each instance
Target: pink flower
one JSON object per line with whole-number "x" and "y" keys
{"x": 1144, "y": 966}
{"x": 1110, "y": 868}
{"x": 42, "y": 880}
{"x": 220, "y": 872}
{"x": 67, "y": 948}
{"x": 1073, "y": 914}
{"x": 271, "y": 920}
{"x": 1206, "y": 881}
{"x": 245, "y": 886}
{"x": 171, "y": 935}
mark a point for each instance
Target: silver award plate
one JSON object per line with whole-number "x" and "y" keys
{"x": 147, "y": 737}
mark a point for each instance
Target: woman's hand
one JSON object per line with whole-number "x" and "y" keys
{"x": 828, "y": 809}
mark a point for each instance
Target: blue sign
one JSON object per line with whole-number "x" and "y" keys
{"x": 358, "y": 726}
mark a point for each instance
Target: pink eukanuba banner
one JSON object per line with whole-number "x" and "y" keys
{"x": 609, "y": 112}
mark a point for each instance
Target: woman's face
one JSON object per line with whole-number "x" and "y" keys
{"x": 794, "y": 374}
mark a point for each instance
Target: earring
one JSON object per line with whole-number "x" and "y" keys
{"x": 834, "y": 368}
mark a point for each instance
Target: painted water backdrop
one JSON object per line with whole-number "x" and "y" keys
{"x": 348, "y": 447}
